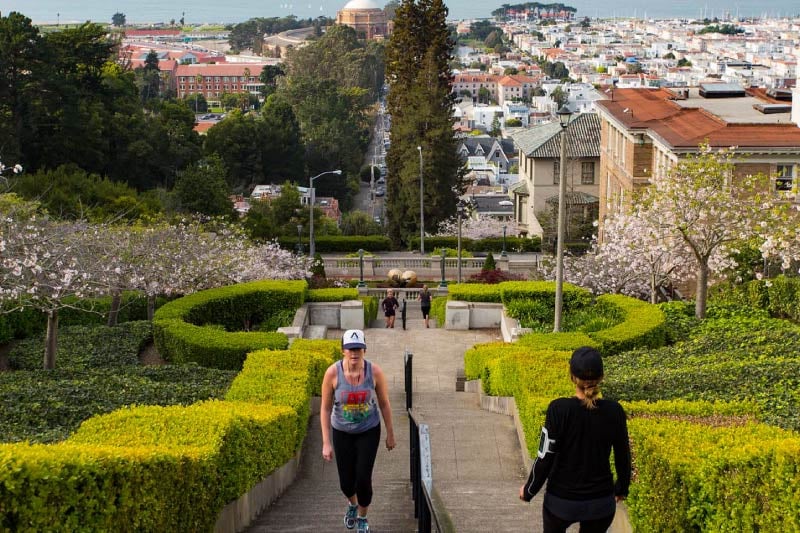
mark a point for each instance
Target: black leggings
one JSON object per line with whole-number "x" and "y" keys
{"x": 355, "y": 456}
{"x": 553, "y": 524}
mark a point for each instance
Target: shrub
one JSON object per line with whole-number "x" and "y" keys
{"x": 489, "y": 263}
{"x": 494, "y": 277}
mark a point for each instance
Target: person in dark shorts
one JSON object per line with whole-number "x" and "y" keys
{"x": 578, "y": 436}
{"x": 353, "y": 391}
{"x": 425, "y": 303}
{"x": 390, "y": 305}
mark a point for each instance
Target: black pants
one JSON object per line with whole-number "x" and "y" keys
{"x": 426, "y": 310}
{"x": 355, "y": 456}
{"x": 554, "y": 524}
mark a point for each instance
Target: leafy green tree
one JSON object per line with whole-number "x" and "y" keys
{"x": 269, "y": 77}
{"x": 235, "y": 141}
{"x": 149, "y": 78}
{"x": 513, "y": 123}
{"x": 280, "y": 139}
{"x": 420, "y": 102}
{"x": 495, "y": 131}
{"x": 202, "y": 188}
{"x": 558, "y": 96}
{"x": 360, "y": 223}
{"x": 22, "y": 59}
{"x": 118, "y": 19}
{"x": 683, "y": 62}
{"x": 70, "y": 193}
{"x": 669, "y": 55}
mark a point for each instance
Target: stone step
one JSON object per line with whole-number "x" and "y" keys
{"x": 315, "y": 332}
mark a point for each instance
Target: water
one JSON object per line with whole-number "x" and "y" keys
{"x": 198, "y": 11}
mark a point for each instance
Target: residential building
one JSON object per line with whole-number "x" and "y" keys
{"x": 539, "y": 171}
{"x": 645, "y": 132}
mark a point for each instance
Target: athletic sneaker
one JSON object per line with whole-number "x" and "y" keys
{"x": 350, "y": 516}
{"x": 363, "y": 526}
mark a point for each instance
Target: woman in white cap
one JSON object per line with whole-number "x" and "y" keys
{"x": 574, "y": 449}
{"x": 352, "y": 391}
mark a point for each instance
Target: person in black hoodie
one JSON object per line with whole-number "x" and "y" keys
{"x": 578, "y": 436}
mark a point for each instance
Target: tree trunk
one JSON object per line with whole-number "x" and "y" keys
{"x": 702, "y": 290}
{"x": 51, "y": 341}
{"x": 113, "y": 314}
{"x": 151, "y": 306}
{"x": 653, "y": 295}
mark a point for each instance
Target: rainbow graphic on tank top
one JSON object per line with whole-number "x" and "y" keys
{"x": 355, "y": 405}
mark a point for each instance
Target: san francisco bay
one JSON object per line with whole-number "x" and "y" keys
{"x": 209, "y": 11}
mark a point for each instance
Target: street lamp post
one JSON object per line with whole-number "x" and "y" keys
{"x": 299, "y": 239}
{"x": 460, "y": 212}
{"x": 361, "y": 268}
{"x": 311, "y": 249}
{"x": 503, "y": 253}
{"x": 421, "y": 206}
{"x": 564, "y": 116}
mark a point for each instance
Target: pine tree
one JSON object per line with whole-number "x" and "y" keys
{"x": 420, "y": 103}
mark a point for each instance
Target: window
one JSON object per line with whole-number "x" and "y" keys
{"x": 784, "y": 178}
{"x": 587, "y": 173}
{"x": 556, "y": 172}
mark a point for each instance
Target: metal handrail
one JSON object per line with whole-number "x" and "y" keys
{"x": 429, "y": 511}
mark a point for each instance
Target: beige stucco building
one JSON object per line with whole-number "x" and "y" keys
{"x": 366, "y": 17}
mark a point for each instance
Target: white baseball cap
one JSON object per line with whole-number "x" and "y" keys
{"x": 352, "y": 339}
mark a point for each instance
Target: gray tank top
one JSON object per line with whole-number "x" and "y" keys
{"x": 355, "y": 407}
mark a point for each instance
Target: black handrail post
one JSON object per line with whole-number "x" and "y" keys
{"x": 408, "y": 359}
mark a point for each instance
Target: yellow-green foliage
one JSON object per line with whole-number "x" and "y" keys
{"x": 474, "y": 292}
{"x": 370, "y": 308}
{"x": 332, "y": 295}
{"x": 323, "y": 353}
{"x": 643, "y": 326}
{"x": 145, "y": 468}
{"x": 439, "y": 310}
{"x": 569, "y": 340}
{"x": 692, "y": 477}
{"x": 573, "y": 296}
{"x": 173, "y": 468}
{"x": 188, "y": 329}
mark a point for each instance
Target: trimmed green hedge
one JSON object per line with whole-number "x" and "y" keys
{"x": 491, "y": 244}
{"x": 193, "y": 327}
{"x": 341, "y": 243}
{"x": 167, "y": 468}
{"x": 439, "y": 310}
{"x": 370, "y": 308}
{"x": 331, "y": 295}
{"x": 779, "y": 296}
{"x": 693, "y": 477}
{"x": 643, "y": 326}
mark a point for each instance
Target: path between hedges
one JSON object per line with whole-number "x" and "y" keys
{"x": 477, "y": 462}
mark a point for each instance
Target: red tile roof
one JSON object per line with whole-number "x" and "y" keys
{"x": 686, "y": 128}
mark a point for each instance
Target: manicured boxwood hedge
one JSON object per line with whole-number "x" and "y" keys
{"x": 699, "y": 451}
{"x": 193, "y": 328}
{"x": 341, "y": 243}
{"x": 779, "y": 296}
{"x": 331, "y": 295}
{"x": 492, "y": 244}
{"x": 167, "y": 468}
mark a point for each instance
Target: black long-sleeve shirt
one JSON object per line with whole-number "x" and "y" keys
{"x": 577, "y": 465}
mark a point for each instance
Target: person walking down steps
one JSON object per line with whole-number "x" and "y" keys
{"x": 353, "y": 391}
{"x": 425, "y": 304}
{"x": 573, "y": 457}
{"x": 390, "y": 305}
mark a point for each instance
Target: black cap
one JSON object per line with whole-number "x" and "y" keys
{"x": 586, "y": 363}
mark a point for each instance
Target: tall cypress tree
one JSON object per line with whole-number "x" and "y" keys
{"x": 421, "y": 105}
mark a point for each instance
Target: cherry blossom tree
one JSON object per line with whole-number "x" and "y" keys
{"x": 702, "y": 203}
{"x": 480, "y": 227}
{"x": 270, "y": 261}
{"x": 45, "y": 264}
